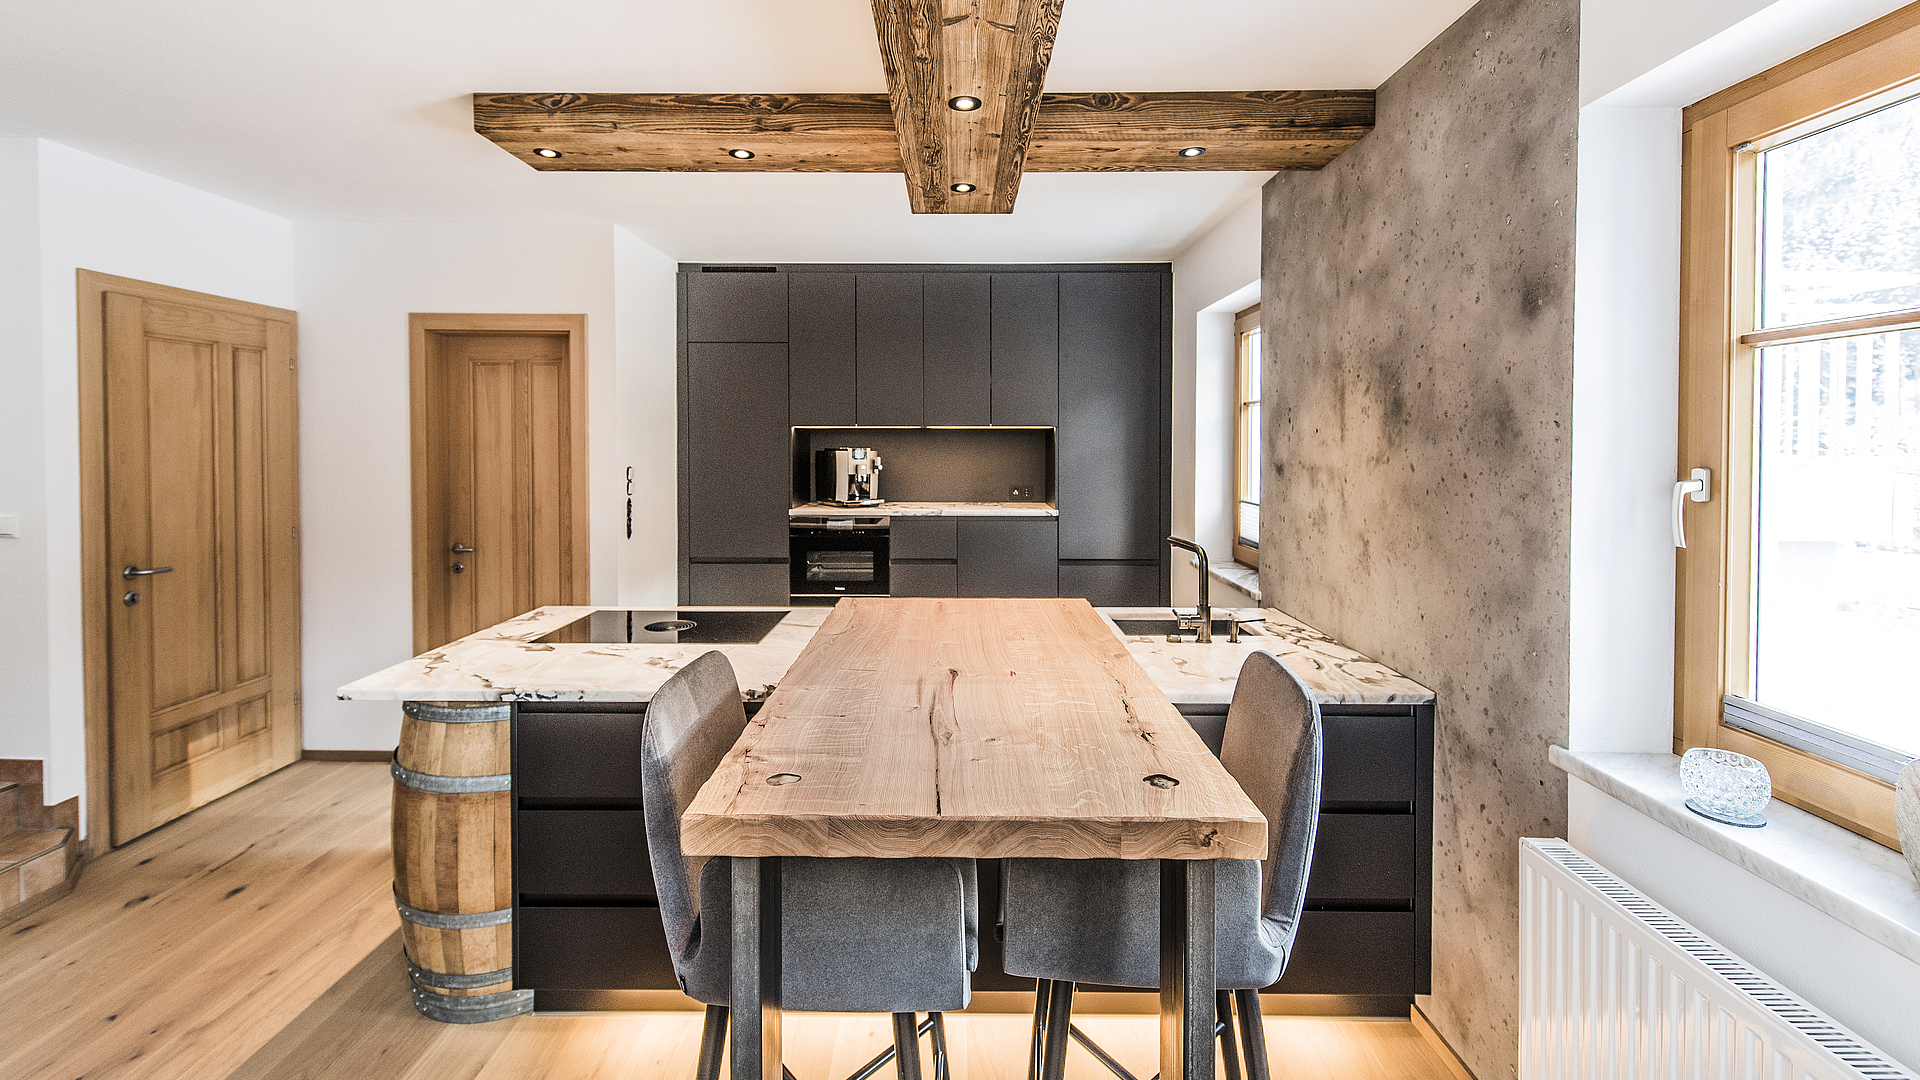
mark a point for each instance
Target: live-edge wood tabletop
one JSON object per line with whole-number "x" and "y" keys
{"x": 994, "y": 728}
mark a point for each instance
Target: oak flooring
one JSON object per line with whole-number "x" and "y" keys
{"x": 255, "y": 939}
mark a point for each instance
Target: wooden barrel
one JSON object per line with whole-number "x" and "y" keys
{"x": 453, "y": 859}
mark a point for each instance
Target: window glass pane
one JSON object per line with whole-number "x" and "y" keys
{"x": 1840, "y": 232}
{"x": 1837, "y": 617}
{"x": 1252, "y": 384}
{"x": 1250, "y": 447}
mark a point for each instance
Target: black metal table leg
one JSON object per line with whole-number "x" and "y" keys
{"x": 1186, "y": 969}
{"x": 755, "y": 1015}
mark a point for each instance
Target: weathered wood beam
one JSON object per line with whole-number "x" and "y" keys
{"x": 992, "y": 51}
{"x": 693, "y": 132}
{"x": 1256, "y": 130}
{"x": 1259, "y": 130}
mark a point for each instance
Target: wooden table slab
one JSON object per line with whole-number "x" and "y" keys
{"x": 972, "y": 728}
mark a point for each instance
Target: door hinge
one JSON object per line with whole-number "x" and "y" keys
{"x": 291, "y": 360}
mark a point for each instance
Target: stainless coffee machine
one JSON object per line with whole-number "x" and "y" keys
{"x": 847, "y": 476}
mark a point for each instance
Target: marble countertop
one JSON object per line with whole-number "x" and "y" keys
{"x": 928, "y": 509}
{"x": 506, "y": 663}
{"x": 1849, "y": 877}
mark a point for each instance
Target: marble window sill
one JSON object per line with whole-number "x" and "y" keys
{"x": 1856, "y": 881}
{"x": 1233, "y": 575}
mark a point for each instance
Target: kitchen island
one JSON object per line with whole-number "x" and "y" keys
{"x": 586, "y": 929}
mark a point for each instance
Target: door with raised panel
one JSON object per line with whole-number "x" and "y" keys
{"x": 201, "y": 500}
{"x": 499, "y": 492}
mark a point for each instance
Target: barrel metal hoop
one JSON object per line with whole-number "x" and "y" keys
{"x": 485, "y": 712}
{"x": 442, "y": 981}
{"x": 449, "y": 785}
{"x": 472, "y": 1010}
{"x": 434, "y": 920}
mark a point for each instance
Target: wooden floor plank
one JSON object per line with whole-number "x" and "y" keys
{"x": 255, "y": 939}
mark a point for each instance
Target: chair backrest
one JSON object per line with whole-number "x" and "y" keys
{"x": 692, "y": 721}
{"x": 1272, "y": 747}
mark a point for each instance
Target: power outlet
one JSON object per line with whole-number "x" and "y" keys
{"x": 1022, "y": 493}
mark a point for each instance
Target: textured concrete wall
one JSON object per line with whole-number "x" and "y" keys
{"x": 1418, "y": 301}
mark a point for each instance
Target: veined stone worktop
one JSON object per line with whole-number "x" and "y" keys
{"x": 507, "y": 663}
{"x": 928, "y": 509}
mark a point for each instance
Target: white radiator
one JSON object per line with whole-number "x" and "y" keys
{"x": 1614, "y": 987}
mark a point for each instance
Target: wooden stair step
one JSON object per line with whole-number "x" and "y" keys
{"x": 9, "y": 805}
{"x": 22, "y": 846}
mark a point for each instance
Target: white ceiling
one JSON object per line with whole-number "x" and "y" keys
{"x": 357, "y": 110}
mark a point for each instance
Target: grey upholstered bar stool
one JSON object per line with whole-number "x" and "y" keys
{"x": 857, "y": 935}
{"x": 1098, "y": 920}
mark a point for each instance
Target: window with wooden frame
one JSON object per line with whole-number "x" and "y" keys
{"x": 1246, "y": 437}
{"x": 1798, "y": 606}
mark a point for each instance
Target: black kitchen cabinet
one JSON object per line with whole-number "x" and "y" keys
{"x": 1008, "y": 556}
{"x": 737, "y": 450}
{"x": 957, "y": 329}
{"x": 1026, "y": 349}
{"x": 1112, "y": 584}
{"x": 736, "y": 305}
{"x": 757, "y": 584}
{"x": 923, "y": 538}
{"x": 925, "y": 578}
{"x": 587, "y": 924}
{"x": 1111, "y": 394}
{"x": 821, "y": 352}
{"x": 887, "y": 351}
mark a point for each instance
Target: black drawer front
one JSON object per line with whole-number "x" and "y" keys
{"x": 577, "y": 755}
{"x": 591, "y": 948}
{"x": 598, "y": 853}
{"x": 925, "y": 579}
{"x": 1351, "y": 952}
{"x": 1370, "y": 759}
{"x": 923, "y": 538}
{"x": 1363, "y": 857}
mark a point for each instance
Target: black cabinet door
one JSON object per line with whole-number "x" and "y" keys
{"x": 887, "y": 349}
{"x": 1026, "y": 349}
{"x": 820, "y": 354}
{"x": 1008, "y": 556}
{"x": 739, "y": 465}
{"x": 1110, "y": 390}
{"x": 756, "y": 584}
{"x": 922, "y": 538}
{"x": 1371, "y": 761}
{"x": 1112, "y": 584}
{"x": 732, "y": 306}
{"x": 958, "y": 335}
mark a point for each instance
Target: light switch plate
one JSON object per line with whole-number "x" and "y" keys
{"x": 9, "y": 524}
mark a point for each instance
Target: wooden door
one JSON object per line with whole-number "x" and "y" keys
{"x": 201, "y": 500}
{"x": 500, "y": 525}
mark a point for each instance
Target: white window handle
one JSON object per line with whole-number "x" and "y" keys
{"x": 1699, "y": 489}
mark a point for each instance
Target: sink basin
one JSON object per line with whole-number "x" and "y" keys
{"x": 1163, "y": 627}
{"x": 667, "y": 626}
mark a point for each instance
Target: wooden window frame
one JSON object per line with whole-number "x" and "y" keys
{"x": 1846, "y": 77}
{"x": 1243, "y": 322}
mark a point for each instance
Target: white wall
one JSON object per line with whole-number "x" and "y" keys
{"x": 99, "y": 215}
{"x": 1858, "y": 981}
{"x": 23, "y": 562}
{"x": 645, "y": 341}
{"x": 1213, "y": 277}
{"x": 358, "y": 283}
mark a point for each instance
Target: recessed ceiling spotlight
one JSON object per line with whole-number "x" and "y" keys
{"x": 741, "y": 154}
{"x": 546, "y": 153}
{"x": 963, "y": 188}
{"x": 963, "y": 103}
{"x": 1193, "y": 151}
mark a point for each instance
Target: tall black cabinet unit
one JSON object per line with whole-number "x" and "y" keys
{"x": 1084, "y": 350}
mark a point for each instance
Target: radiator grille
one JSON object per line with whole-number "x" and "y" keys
{"x": 1615, "y": 987}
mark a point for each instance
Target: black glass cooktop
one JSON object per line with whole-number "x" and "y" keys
{"x": 668, "y": 626}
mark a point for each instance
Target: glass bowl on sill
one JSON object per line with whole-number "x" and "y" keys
{"x": 1726, "y": 787}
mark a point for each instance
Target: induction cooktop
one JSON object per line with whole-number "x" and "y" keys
{"x": 667, "y": 626}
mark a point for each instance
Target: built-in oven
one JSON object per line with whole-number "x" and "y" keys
{"x": 835, "y": 557}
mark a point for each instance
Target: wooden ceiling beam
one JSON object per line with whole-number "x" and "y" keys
{"x": 1262, "y": 130}
{"x": 994, "y": 51}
